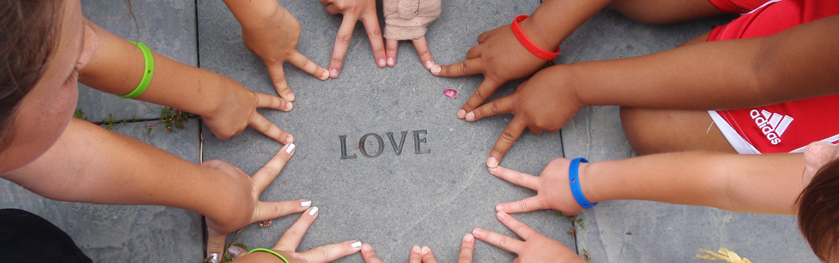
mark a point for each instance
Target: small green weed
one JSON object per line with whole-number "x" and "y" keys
{"x": 586, "y": 255}
{"x": 79, "y": 114}
{"x": 171, "y": 117}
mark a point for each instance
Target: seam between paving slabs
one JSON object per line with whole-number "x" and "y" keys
{"x": 204, "y": 235}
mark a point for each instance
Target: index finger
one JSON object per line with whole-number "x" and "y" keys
{"x": 265, "y": 126}
{"x": 304, "y": 63}
{"x": 342, "y": 43}
{"x": 467, "y": 248}
{"x": 518, "y": 178}
{"x": 487, "y": 87}
{"x": 505, "y": 141}
{"x": 464, "y": 68}
{"x": 263, "y": 177}
{"x": 506, "y": 243}
{"x": 369, "y": 255}
{"x": 332, "y": 252}
{"x": 495, "y": 107}
{"x": 524, "y": 231}
{"x": 374, "y": 33}
{"x": 292, "y": 237}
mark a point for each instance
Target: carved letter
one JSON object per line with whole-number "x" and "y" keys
{"x": 344, "y": 148}
{"x": 397, "y": 149}
{"x": 364, "y": 150}
{"x": 418, "y": 140}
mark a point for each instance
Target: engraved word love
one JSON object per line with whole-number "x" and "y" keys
{"x": 419, "y": 140}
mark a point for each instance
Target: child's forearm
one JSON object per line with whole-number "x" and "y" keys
{"x": 555, "y": 20}
{"x": 254, "y": 13}
{"x": 117, "y": 68}
{"x": 794, "y": 64}
{"x": 745, "y": 183}
{"x": 90, "y": 164}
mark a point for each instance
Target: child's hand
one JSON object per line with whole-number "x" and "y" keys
{"x": 424, "y": 254}
{"x": 237, "y": 110}
{"x": 247, "y": 199}
{"x": 553, "y": 190}
{"x": 354, "y": 10}
{"x": 409, "y": 19}
{"x": 544, "y": 103}
{"x": 275, "y": 41}
{"x": 535, "y": 247}
{"x": 500, "y": 57}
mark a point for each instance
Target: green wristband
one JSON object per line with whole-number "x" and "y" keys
{"x": 269, "y": 251}
{"x": 147, "y": 73}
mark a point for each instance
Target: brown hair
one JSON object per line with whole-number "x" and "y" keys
{"x": 818, "y": 211}
{"x": 30, "y": 35}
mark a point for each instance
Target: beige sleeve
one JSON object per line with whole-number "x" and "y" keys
{"x": 409, "y": 19}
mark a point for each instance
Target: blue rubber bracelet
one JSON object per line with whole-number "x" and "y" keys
{"x": 574, "y": 180}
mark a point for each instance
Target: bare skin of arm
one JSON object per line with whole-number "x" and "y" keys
{"x": 90, "y": 164}
{"x": 226, "y": 106}
{"x": 794, "y": 64}
{"x": 743, "y": 183}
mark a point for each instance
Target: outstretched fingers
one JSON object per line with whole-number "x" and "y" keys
{"x": 506, "y": 243}
{"x": 505, "y": 141}
{"x": 424, "y": 53}
{"x": 275, "y": 70}
{"x": 467, "y": 248}
{"x": 518, "y": 178}
{"x": 529, "y": 204}
{"x": 392, "y": 50}
{"x": 374, "y": 33}
{"x": 332, "y": 252}
{"x": 342, "y": 43}
{"x": 215, "y": 246}
{"x": 304, "y": 63}
{"x": 522, "y": 230}
{"x": 492, "y": 108}
{"x": 369, "y": 255}
{"x": 459, "y": 69}
{"x": 292, "y": 237}
{"x": 263, "y": 125}
{"x": 264, "y": 176}
{"x": 487, "y": 87}
{"x": 427, "y": 255}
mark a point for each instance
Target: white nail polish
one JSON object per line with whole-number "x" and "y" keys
{"x": 213, "y": 258}
{"x": 290, "y": 148}
{"x": 306, "y": 203}
{"x": 313, "y": 211}
{"x": 356, "y": 244}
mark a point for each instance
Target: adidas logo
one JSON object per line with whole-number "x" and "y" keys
{"x": 772, "y": 125}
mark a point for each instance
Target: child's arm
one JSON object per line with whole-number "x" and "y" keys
{"x": 794, "y": 64}
{"x": 272, "y": 33}
{"x": 501, "y": 58}
{"x": 226, "y": 106}
{"x": 90, "y": 164}
{"x": 744, "y": 183}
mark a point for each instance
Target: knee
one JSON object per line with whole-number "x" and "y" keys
{"x": 638, "y": 130}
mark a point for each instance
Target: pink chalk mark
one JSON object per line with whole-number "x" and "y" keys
{"x": 450, "y": 93}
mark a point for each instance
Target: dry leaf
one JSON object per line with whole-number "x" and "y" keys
{"x": 724, "y": 255}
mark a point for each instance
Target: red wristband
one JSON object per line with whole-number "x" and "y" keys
{"x": 533, "y": 48}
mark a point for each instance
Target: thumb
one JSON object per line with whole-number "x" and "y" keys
{"x": 215, "y": 245}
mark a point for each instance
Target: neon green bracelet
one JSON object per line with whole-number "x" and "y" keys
{"x": 269, "y": 251}
{"x": 147, "y": 73}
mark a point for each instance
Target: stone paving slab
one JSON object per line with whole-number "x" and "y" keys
{"x": 640, "y": 231}
{"x": 166, "y": 27}
{"x": 391, "y": 201}
{"x": 110, "y": 233}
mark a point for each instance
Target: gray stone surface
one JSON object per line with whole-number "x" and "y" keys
{"x": 166, "y": 27}
{"x": 392, "y": 202}
{"x": 639, "y": 231}
{"x": 109, "y": 233}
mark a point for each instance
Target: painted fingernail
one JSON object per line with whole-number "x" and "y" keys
{"x": 391, "y": 62}
{"x": 324, "y": 75}
{"x": 477, "y": 232}
{"x": 461, "y": 114}
{"x": 333, "y": 73}
{"x": 429, "y": 65}
{"x": 425, "y": 250}
{"x": 500, "y": 215}
{"x": 313, "y": 210}
{"x": 416, "y": 249}
{"x": 436, "y": 69}
{"x": 290, "y": 149}
{"x": 470, "y": 116}
{"x": 492, "y": 162}
{"x": 382, "y": 63}
{"x": 468, "y": 238}
{"x": 356, "y": 244}
{"x": 213, "y": 258}
{"x": 306, "y": 203}
{"x": 234, "y": 250}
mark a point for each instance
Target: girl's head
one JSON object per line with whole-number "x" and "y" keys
{"x": 818, "y": 204}
{"x": 42, "y": 48}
